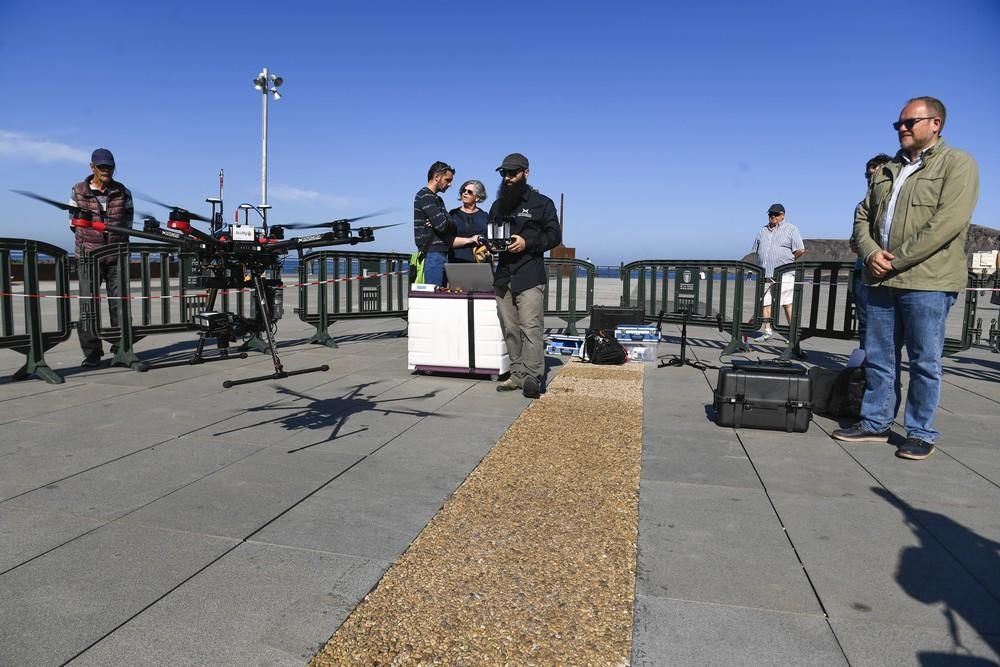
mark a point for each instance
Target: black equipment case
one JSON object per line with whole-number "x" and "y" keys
{"x": 769, "y": 395}
{"x": 607, "y": 318}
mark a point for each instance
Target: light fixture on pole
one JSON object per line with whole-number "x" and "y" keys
{"x": 268, "y": 85}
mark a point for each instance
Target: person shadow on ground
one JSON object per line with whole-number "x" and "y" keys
{"x": 919, "y": 574}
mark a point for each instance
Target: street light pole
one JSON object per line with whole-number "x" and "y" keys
{"x": 267, "y": 84}
{"x": 263, "y": 147}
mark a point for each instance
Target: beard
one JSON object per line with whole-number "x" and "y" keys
{"x": 509, "y": 196}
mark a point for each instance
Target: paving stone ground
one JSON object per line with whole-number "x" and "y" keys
{"x": 155, "y": 518}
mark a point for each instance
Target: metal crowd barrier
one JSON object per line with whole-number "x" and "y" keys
{"x": 562, "y": 290}
{"x": 36, "y": 333}
{"x": 971, "y": 329}
{"x": 337, "y": 285}
{"x": 697, "y": 292}
{"x": 156, "y": 297}
{"x": 823, "y": 305}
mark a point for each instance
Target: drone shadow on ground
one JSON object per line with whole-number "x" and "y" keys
{"x": 322, "y": 413}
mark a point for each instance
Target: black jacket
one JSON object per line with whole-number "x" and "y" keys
{"x": 534, "y": 219}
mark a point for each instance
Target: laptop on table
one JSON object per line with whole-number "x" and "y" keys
{"x": 469, "y": 277}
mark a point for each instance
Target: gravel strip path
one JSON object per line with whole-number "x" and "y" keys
{"x": 532, "y": 560}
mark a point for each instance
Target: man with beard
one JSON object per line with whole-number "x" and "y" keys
{"x": 519, "y": 280}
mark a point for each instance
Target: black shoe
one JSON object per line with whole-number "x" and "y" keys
{"x": 857, "y": 434}
{"x": 531, "y": 388}
{"x": 915, "y": 449}
{"x": 508, "y": 385}
{"x": 92, "y": 360}
{"x": 114, "y": 349}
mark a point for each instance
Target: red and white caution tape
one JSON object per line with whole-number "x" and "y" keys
{"x": 157, "y": 297}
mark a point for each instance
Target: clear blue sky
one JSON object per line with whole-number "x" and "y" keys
{"x": 669, "y": 127}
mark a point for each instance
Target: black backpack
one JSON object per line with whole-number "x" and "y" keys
{"x": 601, "y": 347}
{"x": 837, "y": 393}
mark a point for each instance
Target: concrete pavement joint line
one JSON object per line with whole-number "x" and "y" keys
{"x": 906, "y": 508}
{"x": 132, "y": 511}
{"x": 726, "y": 605}
{"x": 532, "y": 560}
{"x": 154, "y": 602}
{"x": 242, "y": 541}
{"x": 48, "y": 551}
{"x": 963, "y": 464}
{"x": 791, "y": 543}
{"x": 177, "y": 437}
{"x": 136, "y": 509}
{"x": 974, "y": 393}
{"x": 85, "y": 470}
{"x": 939, "y": 448}
{"x": 212, "y": 562}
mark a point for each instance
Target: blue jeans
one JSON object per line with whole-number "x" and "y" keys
{"x": 914, "y": 319}
{"x": 434, "y": 268}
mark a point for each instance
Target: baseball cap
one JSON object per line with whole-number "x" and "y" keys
{"x": 514, "y": 161}
{"x": 101, "y": 157}
{"x": 776, "y": 209}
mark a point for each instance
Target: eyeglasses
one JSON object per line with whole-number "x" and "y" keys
{"x": 510, "y": 172}
{"x": 772, "y": 214}
{"x": 908, "y": 123}
{"x": 469, "y": 191}
{"x": 105, "y": 167}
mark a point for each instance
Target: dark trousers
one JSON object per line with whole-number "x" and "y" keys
{"x": 90, "y": 342}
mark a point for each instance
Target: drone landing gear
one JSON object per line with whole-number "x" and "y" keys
{"x": 265, "y": 315}
{"x": 681, "y": 359}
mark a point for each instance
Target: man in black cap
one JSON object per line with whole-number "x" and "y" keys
{"x": 778, "y": 242}
{"x": 110, "y": 202}
{"x": 519, "y": 280}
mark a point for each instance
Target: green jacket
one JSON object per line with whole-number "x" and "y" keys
{"x": 931, "y": 221}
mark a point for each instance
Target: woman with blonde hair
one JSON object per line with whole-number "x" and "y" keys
{"x": 470, "y": 223}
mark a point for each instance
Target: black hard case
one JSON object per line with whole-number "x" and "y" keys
{"x": 606, "y": 318}
{"x": 768, "y": 395}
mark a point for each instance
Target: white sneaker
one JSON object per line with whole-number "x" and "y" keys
{"x": 763, "y": 336}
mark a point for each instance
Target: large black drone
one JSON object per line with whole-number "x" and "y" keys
{"x": 233, "y": 257}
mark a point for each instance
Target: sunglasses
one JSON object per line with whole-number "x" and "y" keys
{"x": 510, "y": 172}
{"x": 908, "y": 123}
{"x": 468, "y": 191}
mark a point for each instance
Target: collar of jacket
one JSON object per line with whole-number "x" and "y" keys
{"x": 111, "y": 186}
{"x": 529, "y": 192}
{"x": 902, "y": 157}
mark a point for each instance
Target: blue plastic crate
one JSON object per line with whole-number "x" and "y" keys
{"x": 566, "y": 346}
{"x": 637, "y": 333}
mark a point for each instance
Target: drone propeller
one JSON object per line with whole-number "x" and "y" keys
{"x": 331, "y": 223}
{"x": 383, "y": 226}
{"x": 193, "y": 216}
{"x": 52, "y": 202}
{"x": 143, "y": 215}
